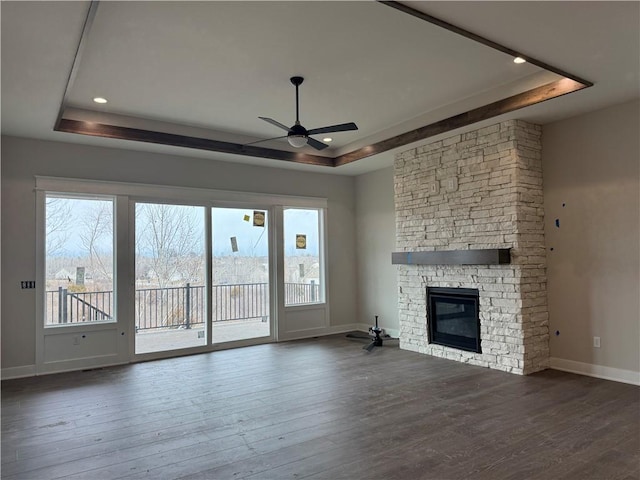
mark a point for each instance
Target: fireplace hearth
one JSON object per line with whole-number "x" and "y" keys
{"x": 452, "y": 315}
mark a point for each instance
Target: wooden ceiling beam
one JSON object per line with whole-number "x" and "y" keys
{"x": 506, "y": 105}
{"x": 162, "y": 138}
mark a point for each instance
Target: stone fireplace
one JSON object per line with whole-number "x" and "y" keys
{"x": 476, "y": 191}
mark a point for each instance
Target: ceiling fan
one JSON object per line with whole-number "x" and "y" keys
{"x": 297, "y": 135}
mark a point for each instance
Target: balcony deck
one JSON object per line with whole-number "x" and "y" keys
{"x": 158, "y": 340}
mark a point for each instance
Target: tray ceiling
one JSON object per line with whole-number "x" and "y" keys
{"x": 208, "y": 70}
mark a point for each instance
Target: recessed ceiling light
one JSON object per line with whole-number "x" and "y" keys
{"x": 519, "y": 60}
{"x": 327, "y": 139}
{"x": 100, "y": 100}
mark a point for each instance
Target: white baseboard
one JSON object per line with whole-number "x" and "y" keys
{"x": 598, "y": 371}
{"x": 336, "y": 329}
{"x": 30, "y": 370}
{"x": 75, "y": 365}
{"x": 350, "y": 327}
{"x": 363, "y": 327}
{"x": 18, "y": 372}
{"x": 319, "y": 332}
{"x": 11, "y": 373}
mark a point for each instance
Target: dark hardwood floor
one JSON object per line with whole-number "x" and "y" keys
{"x": 318, "y": 409}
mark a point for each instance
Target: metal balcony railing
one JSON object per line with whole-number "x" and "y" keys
{"x": 175, "y": 307}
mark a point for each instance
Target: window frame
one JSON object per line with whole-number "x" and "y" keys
{"x": 114, "y": 248}
{"x": 322, "y": 268}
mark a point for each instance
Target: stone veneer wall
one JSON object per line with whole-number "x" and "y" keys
{"x": 481, "y": 189}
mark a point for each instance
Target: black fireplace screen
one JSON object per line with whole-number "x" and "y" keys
{"x": 452, "y": 315}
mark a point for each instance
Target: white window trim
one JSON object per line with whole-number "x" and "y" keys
{"x": 50, "y": 328}
{"x": 186, "y": 194}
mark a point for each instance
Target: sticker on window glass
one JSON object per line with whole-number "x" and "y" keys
{"x": 301, "y": 241}
{"x": 258, "y": 219}
{"x": 246, "y": 218}
{"x": 234, "y": 244}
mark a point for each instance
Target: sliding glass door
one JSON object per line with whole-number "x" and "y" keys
{"x": 240, "y": 275}
{"x": 170, "y": 273}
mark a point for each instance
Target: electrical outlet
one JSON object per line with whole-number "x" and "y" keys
{"x": 434, "y": 188}
{"x": 76, "y": 340}
{"x": 27, "y": 284}
{"x": 596, "y": 342}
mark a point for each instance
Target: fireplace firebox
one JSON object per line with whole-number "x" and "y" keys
{"x": 452, "y": 315}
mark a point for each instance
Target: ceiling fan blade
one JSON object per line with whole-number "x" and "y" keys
{"x": 343, "y": 127}
{"x": 263, "y": 140}
{"x": 316, "y": 144}
{"x": 274, "y": 122}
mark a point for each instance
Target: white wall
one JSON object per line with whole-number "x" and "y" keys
{"x": 591, "y": 166}
{"x": 24, "y": 158}
{"x": 376, "y": 229}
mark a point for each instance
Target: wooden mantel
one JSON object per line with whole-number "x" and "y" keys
{"x": 488, "y": 256}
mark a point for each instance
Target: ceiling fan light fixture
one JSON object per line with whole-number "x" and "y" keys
{"x": 297, "y": 141}
{"x": 297, "y": 135}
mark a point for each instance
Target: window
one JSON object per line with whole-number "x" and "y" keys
{"x": 240, "y": 290}
{"x": 303, "y": 256}
{"x": 79, "y": 259}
